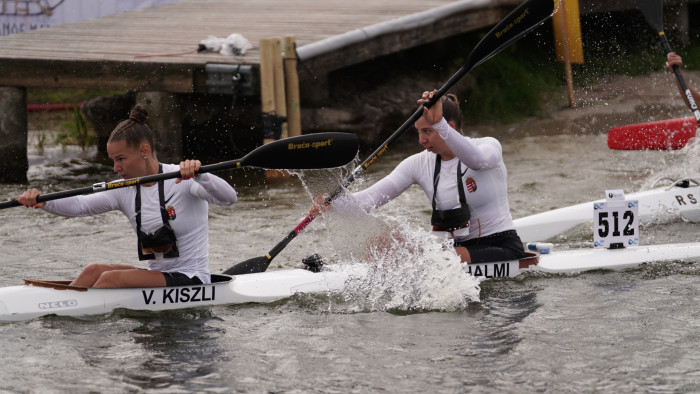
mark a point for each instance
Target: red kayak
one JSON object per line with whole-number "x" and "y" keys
{"x": 659, "y": 135}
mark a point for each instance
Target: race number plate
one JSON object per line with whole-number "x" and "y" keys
{"x": 615, "y": 221}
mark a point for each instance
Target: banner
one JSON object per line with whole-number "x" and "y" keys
{"x": 17, "y": 16}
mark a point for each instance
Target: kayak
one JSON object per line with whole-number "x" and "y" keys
{"x": 659, "y": 135}
{"x": 40, "y": 297}
{"x": 50, "y": 297}
{"x": 664, "y": 204}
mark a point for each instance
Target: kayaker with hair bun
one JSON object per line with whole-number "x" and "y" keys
{"x": 465, "y": 180}
{"x": 170, "y": 217}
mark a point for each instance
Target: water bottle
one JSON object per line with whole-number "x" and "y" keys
{"x": 540, "y": 247}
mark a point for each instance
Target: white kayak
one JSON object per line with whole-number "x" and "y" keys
{"x": 679, "y": 200}
{"x": 38, "y": 298}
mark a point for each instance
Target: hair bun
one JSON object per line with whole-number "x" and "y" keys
{"x": 138, "y": 114}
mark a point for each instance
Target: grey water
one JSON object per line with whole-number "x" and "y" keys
{"x": 602, "y": 331}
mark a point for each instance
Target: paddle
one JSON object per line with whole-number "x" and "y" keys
{"x": 320, "y": 150}
{"x": 520, "y": 21}
{"x": 653, "y": 11}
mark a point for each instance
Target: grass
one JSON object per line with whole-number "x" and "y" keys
{"x": 75, "y": 130}
{"x": 511, "y": 86}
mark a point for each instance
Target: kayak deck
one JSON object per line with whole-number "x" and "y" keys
{"x": 663, "y": 204}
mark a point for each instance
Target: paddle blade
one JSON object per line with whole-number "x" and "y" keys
{"x": 519, "y": 22}
{"x": 310, "y": 151}
{"x": 256, "y": 264}
{"x": 653, "y": 11}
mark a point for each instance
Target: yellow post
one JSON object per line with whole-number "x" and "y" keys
{"x": 567, "y": 38}
{"x": 292, "y": 87}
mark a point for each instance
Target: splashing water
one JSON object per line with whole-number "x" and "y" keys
{"x": 408, "y": 269}
{"x": 682, "y": 163}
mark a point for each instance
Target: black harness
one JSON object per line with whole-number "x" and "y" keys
{"x": 451, "y": 219}
{"x": 162, "y": 240}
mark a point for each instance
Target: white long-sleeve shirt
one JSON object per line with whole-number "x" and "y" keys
{"x": 485, "y": 181}
{"x": 189, "y": 220}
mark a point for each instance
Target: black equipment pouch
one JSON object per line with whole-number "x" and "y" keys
{"x": 162, "y": 240}
{"x": 450, "y": 219}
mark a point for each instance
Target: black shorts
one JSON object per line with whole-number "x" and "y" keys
{"x": 180, "y": 279}
{"x": 502, "y": 246}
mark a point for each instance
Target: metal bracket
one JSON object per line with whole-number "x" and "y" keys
{"x": 229, "y": 79}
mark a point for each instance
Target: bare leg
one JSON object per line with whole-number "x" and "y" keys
{"x": 463, "y": 254}
{"x": 92, "y": 273}
{"x": 130, "y": 278}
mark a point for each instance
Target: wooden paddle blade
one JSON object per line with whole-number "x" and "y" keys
{"x": 310, "y": 151}
{"x": 250, "y": 266}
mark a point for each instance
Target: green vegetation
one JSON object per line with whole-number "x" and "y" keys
{"x": 516, "y": 82}
{"x": 511, "y": 85}
{"x": 41, "y": 142}
{"x": 71, "y": 125}
{"x": 74, "y": 130}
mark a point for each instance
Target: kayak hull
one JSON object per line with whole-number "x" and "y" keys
{"x": 588, "y": 259}
{"x": 39, "y": 298}
{"x": 662, "y": 204}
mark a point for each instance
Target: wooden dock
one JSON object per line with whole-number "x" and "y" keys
{"x": 153, "y": 52}
{"x": 120, "y": 51}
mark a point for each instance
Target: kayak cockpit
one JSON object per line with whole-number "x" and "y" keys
{"x": 65, "y": 284}
{"x": 54, "y": 284}
{"x": 531, "y": 258}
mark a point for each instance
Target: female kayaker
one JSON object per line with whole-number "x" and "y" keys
{"x": 464, "y": 179}
{"x": 170, "y": 217}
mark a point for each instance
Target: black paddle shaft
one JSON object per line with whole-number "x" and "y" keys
{"x": 653, "y": 11}
{"x": 310, "y": 151}
{"x": 516, "y": 24}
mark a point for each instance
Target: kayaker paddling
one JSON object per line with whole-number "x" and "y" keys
{"x": 170, "y": 217}
{"x": 464, "y": 179}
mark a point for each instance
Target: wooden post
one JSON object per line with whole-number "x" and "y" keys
{"x": 292, "y": 87}
{"x": 267, "y": 80}
{"x": 272, "y": 91}
{"x": 278, "y": 72}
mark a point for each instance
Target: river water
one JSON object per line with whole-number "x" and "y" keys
{"x": 417, "y": 325}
